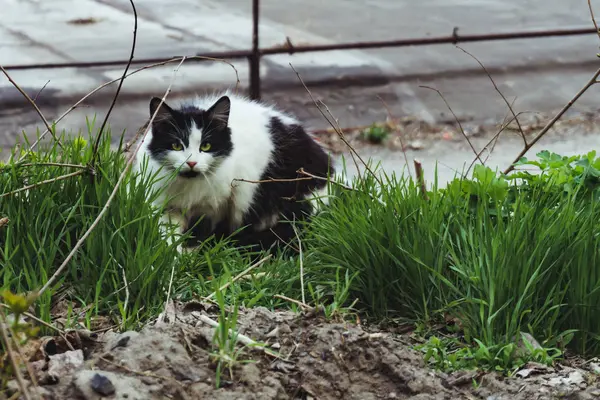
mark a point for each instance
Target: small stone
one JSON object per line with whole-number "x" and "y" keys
{"x": 60, "y": 365}
{"x": 416, "y": 145}
{"x": 102, "y": 385}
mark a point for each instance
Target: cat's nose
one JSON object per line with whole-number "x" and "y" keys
{"x": 191, "y": 163}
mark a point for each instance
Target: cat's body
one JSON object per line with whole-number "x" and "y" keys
{"x": 218, "y": 140}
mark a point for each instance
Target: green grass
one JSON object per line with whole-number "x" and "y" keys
{"x": 496, "y": 255}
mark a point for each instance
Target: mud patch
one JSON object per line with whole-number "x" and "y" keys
{"x": 317, "y": 359}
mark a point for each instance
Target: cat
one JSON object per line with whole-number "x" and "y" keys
{"x": 212, "y": 142}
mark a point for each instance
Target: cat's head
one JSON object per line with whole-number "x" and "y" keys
{"x": 190, "y": 139}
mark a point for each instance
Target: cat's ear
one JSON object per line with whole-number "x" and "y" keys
{"x": 164, "y": 112}
{"x": 220, "y": 110}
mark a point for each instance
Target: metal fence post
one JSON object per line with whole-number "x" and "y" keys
{"x": 254, "y": 59}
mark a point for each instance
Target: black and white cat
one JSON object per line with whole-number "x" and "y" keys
{"x": 214, "y": 141}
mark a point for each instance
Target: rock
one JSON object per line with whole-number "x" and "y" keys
{"x": 95, "y": 385}
{"x": 61, "y": 365}
{"x": 102, "y": 385}
{"x": 115, "y": 341}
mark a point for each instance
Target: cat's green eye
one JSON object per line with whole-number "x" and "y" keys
{"x": 177, "y": 146}
{"x": 205, "y": 147}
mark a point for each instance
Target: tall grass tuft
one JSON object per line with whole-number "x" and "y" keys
{"x": 499, "y": 257}
{"x": 123, "y": 268}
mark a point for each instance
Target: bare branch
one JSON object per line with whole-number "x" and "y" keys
{"x": 240, "y": 275}
{"x": 101, "y": 131}
{"x": 41, "y": 90}
{"x": 391, "y": 118}
{"x": 272, "y": 180}
{"x": 551, "y": 123}
{"x": 457, "y": 121}
{"x": 60, "y": 178}
{"x": 593, "y": 18}
{"x": 512, "y": 111}
{"x": 337, "y": 130}
{"x": 12, "y": 357}
{"x": 30, "y": 100}
{"x": 110, "y": 198}
{"x": 44, "y": 164}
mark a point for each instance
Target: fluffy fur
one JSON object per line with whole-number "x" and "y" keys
{"x": 214, "y": 141}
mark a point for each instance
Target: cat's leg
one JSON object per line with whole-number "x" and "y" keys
{"x": 201, "y": 228}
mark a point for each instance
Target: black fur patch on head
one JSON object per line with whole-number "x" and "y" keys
{"x": 173, "y": 126}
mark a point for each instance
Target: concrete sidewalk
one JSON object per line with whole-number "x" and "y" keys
{"x": 101, "y": 30}
{"x": 542, "y": 73}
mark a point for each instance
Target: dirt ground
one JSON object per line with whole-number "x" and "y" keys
{"x": 314, "y": 359}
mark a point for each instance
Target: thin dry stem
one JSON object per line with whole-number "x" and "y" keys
{"x": 42, "y": 322}
{"x": 391, "y": 117}
{"x": 30, "y": 100}
{"x": 162, "y": 315}
{"x": 337, "y": 130}
{"x": 110, "y": 198}
{"x": 245, "y": 340}
{"x": 457, "y": 121}
{"x": 298, "y": 303}
{"x": 240, "y": 275}
{"x": 421, "y": 179}
{"x": 301, "y": 264}
{"x": 593, "y": 80}
{"x": 593, "y": 18}
{"x": 271, "y": 180}
{"x": 492, "y": 142}
{"x": 60, "y": 178}
{"x": 512, "y": 111}
{"x": 41, "y": 90}
{"x": 116, "y": 96}
{"x": 46, "y": 164}
{"x": 11, "y": 356}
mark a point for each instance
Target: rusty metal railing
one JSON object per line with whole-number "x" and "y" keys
{"x": 255, "y": 54}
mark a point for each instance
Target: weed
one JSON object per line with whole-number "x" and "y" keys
{"x": 376, "y": 133}
{"x": 225, "y": 339}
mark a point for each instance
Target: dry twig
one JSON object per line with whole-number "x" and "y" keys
{"x": 512, "y": 111}
{"x": 337, "y": 129}
{"x": 389, "y": 112}
{"x": 45, "y": 164}
{"x": 41, "y": 90}
{"x": 112, "y": 105}
{"x": 30, "y": 100}
{"x": 593, "y": 80}
{"x": 457, "y": 121}
{"x": 298, "y": 303}
{"x": 110, "y": 198}
{"x": 301, "y": 264}
{"x": 60, "y": 178}
{"x": 240, "y": 275}
{"x": 593, "y": 18}
{"x": 245, "y": 340}
{"x": 11, "y": 355}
